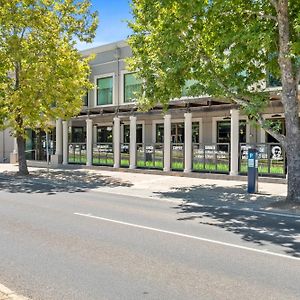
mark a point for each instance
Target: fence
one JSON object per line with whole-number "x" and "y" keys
{"x": 77, "y": 153}
{"x": 177, "y": 156}
{"x": 271, "y": 159}
{"x": 125, "y": 155}
{"x": 213, "y": 158}
{"x": 150, "y": 156}
{"x": 103, "y": 154}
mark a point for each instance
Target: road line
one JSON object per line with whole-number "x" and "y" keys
{"x": 188, "y": 236}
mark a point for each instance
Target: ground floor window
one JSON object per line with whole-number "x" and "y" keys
{"x": 177, "y": 133}
{"x": 279, "y": 125}
{"x": 223, "y": 131}
{"x": 104, "y": 134}
{"x": 139, "y": 133}
{"x": 78, "y": 135}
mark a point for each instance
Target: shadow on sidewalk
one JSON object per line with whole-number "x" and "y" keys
{"x": 70, "y": 181}
{"x": 230, "y": 208}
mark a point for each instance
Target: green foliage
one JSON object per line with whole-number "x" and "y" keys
{"x": 226, "y": 45}
{"x": 42, "y": 75}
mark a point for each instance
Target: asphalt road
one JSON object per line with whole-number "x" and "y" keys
{"x": 94, "y": 245}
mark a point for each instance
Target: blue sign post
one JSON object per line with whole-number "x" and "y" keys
{"x": 252, "y": 171}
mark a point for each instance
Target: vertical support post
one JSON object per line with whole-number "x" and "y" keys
{"x": 188, "y": 142}
{"x": 59, "y": 138}
{"x": 89, "y": 142}
{"x": 13, "y": 159}
{"x": 167, "y": 143}
{"x": 65, "y": 142}
{"x": 132, "y": 146}
{"x": 234, "y": 142}
{"x": 116, "y": 141}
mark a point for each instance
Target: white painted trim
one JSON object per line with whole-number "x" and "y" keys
{"x": 121, "y": 86}
{"x": 106, "y": 75}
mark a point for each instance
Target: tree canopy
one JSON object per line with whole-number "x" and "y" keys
{"x": 228, "y": 48}
{"x": 42, "y": 74}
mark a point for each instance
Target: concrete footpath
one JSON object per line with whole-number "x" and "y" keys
{"x": 204, "y": 192}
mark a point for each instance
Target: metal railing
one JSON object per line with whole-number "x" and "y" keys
{"x": 77, "y": 153}
{"x": 213, "y": 158}
{"x": 103, "y": 154}
{"x": 150, "y": 156}
{"x": 177, "y": 156}
{"x": 124, "y": 154}
{"x": 271, "y": 159}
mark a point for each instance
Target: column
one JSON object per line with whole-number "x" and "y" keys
{"x": 65, "y": 142}
{"x": 167, "y": 143}
{"x": 13, "y": 157}
{"x": 132, "y": 146}
{"x": 234, "y": 142}
{"x": 116, "y": 142}
{"x": 188, "y": 142}
{"x": 59, "y": 134}
{"x": 89, "y": 142}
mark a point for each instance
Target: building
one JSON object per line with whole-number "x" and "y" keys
{"x": 197, "y": 134}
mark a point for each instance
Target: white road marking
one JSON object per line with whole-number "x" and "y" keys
{"x": 188, "y": 236}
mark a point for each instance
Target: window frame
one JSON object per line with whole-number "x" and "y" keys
{"x": 103, "y": 76}
{"x": 122, "y": 87}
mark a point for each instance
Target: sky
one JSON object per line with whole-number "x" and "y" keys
{"x": 112, "y": 25}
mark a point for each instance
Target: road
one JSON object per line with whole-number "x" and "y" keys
{"x": 95, "y": 245}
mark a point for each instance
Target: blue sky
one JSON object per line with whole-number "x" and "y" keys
{"x": 112, "y": 26}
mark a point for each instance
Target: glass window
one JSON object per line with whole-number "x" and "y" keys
{"x": 279, "y": 124}
{"x": 223, "y": 131}
{"x": 104, "y": 90}
{"x": 78, "y": 135}
{"x": 139, "y": 133}
{"x": 132, "y": 86}
{"x": 195, "y": 132}
{"x": 104, "y": 134}
{"x": 177, "y": 133}
{"x": 85, "y": 99}
{"x": 159, "y": 136}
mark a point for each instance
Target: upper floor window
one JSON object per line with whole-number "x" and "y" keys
{"x": 132, "y": 86}
{"x": 274, "y": 81}
{"x": 85, "y": 99}
{"x": 105, "y": 90}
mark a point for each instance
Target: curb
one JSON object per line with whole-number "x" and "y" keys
{"x": 7, "y": 294}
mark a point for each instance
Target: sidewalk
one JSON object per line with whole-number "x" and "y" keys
{"x": 7, "y": 294}
{"x": 194, "y": 191}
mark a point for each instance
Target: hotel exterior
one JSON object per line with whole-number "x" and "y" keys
{"x": 196, "y": 134}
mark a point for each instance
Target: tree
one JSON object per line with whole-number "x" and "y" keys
{"x": 42, "y": 75}
{"x": 228, "y": 47}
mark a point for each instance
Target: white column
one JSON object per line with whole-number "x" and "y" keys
{"x": 234, "y": 142}
{"x": 65, "y": 142}
{"x": 117, "y": 142}
{"x": 59, "y": 137}
{"x": 89, "y": 142}
{"x": 188, "y": 142}
{"x": 132, "y": 146}
{"x": 13, "y": 157}
{"x": 15, "y": 145}
{"x": 167, "y": 143}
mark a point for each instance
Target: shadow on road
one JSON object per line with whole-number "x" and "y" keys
{"x": 230, "y": 208}
{"x": 70, "y": 181}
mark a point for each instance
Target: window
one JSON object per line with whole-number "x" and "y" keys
{"x": 159, "y": 136}
{"x": 139, "y": 134}
{"x": 177, "y": 133}
{"x": 78, "y": 135}
{"x": 105, "y": 90}
{"x": 85, "y": 99}
{"x": 223, "y": 131}
{"x": 132, "y": 86}
{"x": 279, "y": 125}
{"x": 104, "y": 134}
{"x": 195, "y": 132}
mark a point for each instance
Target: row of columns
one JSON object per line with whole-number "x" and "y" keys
{"x": 62, "y": 142}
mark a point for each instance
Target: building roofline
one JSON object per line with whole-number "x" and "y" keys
{"x": 104, "y": 48}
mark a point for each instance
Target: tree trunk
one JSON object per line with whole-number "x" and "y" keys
{"x": 290, "y": 102}
{"x": 23, "y": 170}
